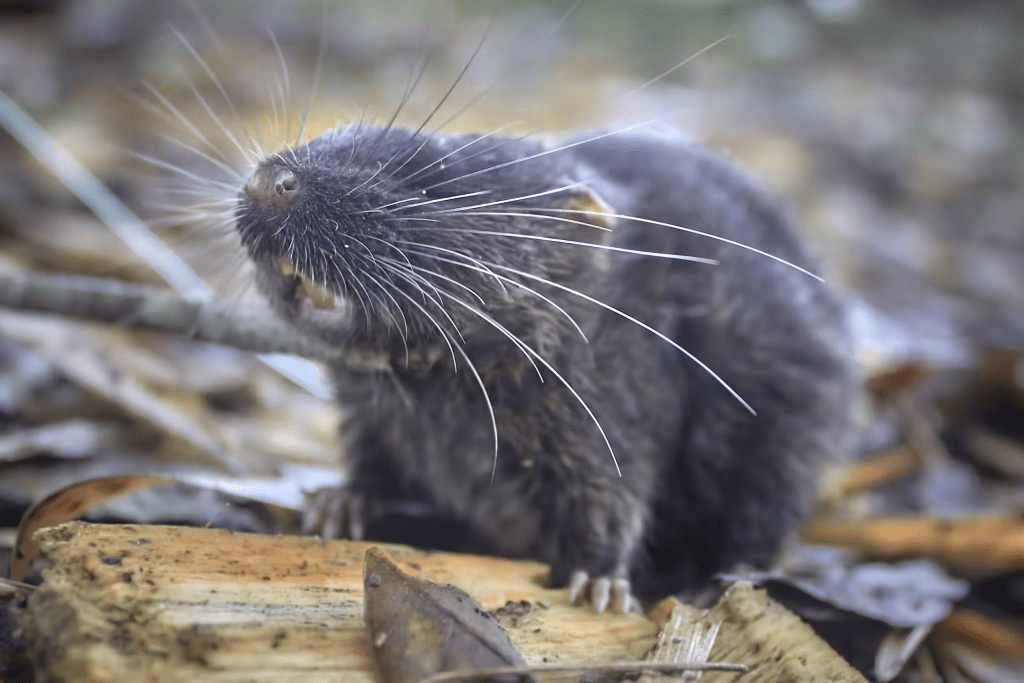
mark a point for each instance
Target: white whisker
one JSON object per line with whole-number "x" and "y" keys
{"x": 178, "y": 117}
{"x": 531, "y": 352}
{"x": 456, "y": 151}
{"x": 520, "y": 198}
{"x": 317, "y": 70}
{"x": 182, "y": 173}
{"x": 545, "y": 152}
{"x": 588, "y": 245}
{"x": 229, "y": 169}
{"x": 630, "y": 318}
{"x": 411, "y": 199}
{"x": 673, "y": 226}
{"x": 501, "y": 280}
{"x": 662, "y": 75}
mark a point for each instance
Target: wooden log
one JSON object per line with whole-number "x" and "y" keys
{"x": 157, "y": 603}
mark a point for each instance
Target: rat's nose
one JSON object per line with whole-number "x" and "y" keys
{"x": 273, "y": 186}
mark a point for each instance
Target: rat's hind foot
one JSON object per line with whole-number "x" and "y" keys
{"x": 600, "y": 591}
{"x": 333, "y": 512}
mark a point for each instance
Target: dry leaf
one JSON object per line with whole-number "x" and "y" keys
{"x": 90, "y": 358}
{"x": 67, "y": 504}
{"x": 896, "y": 649}
{"x": 418, "y": 628}
{"x": 969, "y": 546}
{"x": 69, "y": 439}
{"x": 981, "y": 633}
{"x": 870, "y": 472}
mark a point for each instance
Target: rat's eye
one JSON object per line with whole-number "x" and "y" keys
{"x": 286, "y": 182}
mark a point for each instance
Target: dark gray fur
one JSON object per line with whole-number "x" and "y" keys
{"x": 704, "y": 483}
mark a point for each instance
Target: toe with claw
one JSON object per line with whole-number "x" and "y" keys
{"x": 333, "y": 513}
{"x": 601, "y": 591}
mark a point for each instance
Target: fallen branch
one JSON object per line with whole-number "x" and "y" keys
{"x": 158, "y": 310}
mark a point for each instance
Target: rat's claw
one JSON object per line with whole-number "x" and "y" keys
{"x": 623, "y": 601}
{"x": 577, "y": 583}
{"x": 601, "y": 591}
{"x": 332, "y": 513}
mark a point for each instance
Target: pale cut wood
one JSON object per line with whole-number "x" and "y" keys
{"x": 757, "y": 631}
{"x": 156, "y": 603}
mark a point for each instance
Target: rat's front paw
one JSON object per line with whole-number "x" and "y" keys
{"x": 601, "y": 591}
{"x": 333, "y": 512}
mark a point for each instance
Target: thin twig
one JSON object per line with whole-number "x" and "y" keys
{"x": 598, "y": 667}
{"x": 158, "y": 310}
{"x": 132, "y": 231}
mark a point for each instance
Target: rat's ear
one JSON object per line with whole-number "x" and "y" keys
{"x": 592, "y": 216}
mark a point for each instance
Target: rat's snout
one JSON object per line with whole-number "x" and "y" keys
{"x": 273, "y": 185}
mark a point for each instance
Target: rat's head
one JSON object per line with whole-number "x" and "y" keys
{"x": 389, "y": 238}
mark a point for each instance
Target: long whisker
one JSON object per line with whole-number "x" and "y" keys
{"x": 458, "y": 79}
{"x": 219, "y": 122}
{"x": 483, "y": 389}
{"x": 407, "y": 273}
{"x": 414, "y": 279}
{"x": 635, "y": 90}
{"x": 630, "y": 318}
{"x": 663, "y": 224}
{"x": 507, "y": 67}
{"x": 181, "y": 172}
{"x": 452, "y": 344}
{"x": 379, "y": 209}
{"x": 461, "y": 285}
{"x": 501, "y": 280}
{"x": 494, "y": 323}
{"x": 417, "y": 75}
{"x": 520, "y": 198}
{"x": 434, "y": 111}
{"x": 404, "y": 328}
{"x": 545, "y": 152}
{"x": 284, "y": 89}
{"x": 317, "y": 70}
{"x": 179, "y": 117}
{"x": 205, "y": 67}
{"x": 660, "y": 76}
{"x": 355, "y": 190}
{"x": 368, "y": 308}
{"x": 526, "y": 348}
{"x": 479, "y": 264}
{"x": 228, "y": 169}
{"x": 486, "y": 397}
{"x": 502, "y": 142}
{"x": 409, "y": 264}
{"x": 588, "y": 245}
{"x": 197, "y": 212}
{"x": 354, "y": 147}
{"x": 212, "y": 199}
{"x": 456, "y": 151}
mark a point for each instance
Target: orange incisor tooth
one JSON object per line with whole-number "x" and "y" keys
{"x": 318, "y": 294}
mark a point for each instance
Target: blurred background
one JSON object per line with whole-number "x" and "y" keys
{"x": 893, "y": 131}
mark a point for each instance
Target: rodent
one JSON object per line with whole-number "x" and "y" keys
{"x": 454, "y": 253}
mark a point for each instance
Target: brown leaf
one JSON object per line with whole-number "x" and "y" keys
{"x": 70, "y": 503}
{"x": 971, "y": 547}
{"x": 983, "y": 633}
{"x": 418, "y": 628}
